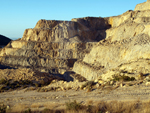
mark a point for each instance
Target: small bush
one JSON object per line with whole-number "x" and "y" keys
{"x": 36, "y": 85}
{"x": 3, "y": 108}
{"x": 10, "y": 84}
{"x": 3, "y": 81}
{"x": 28, "y": 111}
{"x": 46, "y": 111}
{"x": 73, "y": 106}
{"x": 123, "y": 78}
{"x": 25, "y": 82}
{"x": 2, "y": 88}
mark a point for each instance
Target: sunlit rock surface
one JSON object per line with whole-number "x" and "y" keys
{"x": 90, "y": 46}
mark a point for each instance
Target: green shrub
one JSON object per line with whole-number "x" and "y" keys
{"x": 36, "y": 85}
{"x": 25, "y": 82}
{"x": 3, "y": 81}
{"x": 46, "y": 110}
{"x": 73, "y": 106}
{"x": 2, "y": 88}
{"x": 10, "y": 84}
{"x": 123, "y": 78}
{"x": 27, "y": 111}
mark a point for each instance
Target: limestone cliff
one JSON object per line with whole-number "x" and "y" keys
{"x": 143, "y": 6}
{"x": 125, "y": 42}
{"x": 53, "y": 46}
{"x": 88, "y": 46}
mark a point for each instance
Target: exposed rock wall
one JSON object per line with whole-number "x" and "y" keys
{"x": 44, "y": 56}
{"x": 78, "y": 30}
{"x": 143, "y": 6}
{"x": 88, "y": 46}
{"x": 126, "y": 41}
{"x": 54, "y": 46}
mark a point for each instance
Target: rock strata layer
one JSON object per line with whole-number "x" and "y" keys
{"x": 89, "y": 46}
{"x": 128, "y": 40}
{"x": 53, "y": 46}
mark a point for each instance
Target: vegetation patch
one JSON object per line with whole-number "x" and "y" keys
{"x": 3, "y": 108}
{"x": 123, "y": 78}
{"x": 11, "y": 85}
{"x": 73, "y": 106}
{"x": 101, "y": 107}
{"x": 27, "y": 111}
{"x": 43, "y": 83}
{"x": 88, "y": 85}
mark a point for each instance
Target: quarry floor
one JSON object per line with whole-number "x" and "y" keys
{"x": 19, "y": 100}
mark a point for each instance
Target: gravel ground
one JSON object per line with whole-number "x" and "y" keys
{"x": 57, "y": 99}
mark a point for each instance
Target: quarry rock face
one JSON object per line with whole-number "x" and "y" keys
{"x": 53, "y": 46}
{"x": 78, "y": 30}
{"x": 90, "y": 46}
{"x": 125, "y": 42}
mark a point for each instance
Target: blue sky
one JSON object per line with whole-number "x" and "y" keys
{"x": 18, "y": 15}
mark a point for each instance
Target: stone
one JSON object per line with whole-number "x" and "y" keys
{"x": 148, "y": 78}
{"x": 147, "y": 83}
{"x": 101, "y": 82}
{"x": 121, "y": 85}
{"x": 111, "y": 82}
{"x": 8, "y": 107}
{"x": 97, "y": 85}
{"x": 107, "y": 112}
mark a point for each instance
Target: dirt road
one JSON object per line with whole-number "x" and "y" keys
{"x": 57, "y": 99}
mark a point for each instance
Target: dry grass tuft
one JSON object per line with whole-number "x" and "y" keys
{"x": 36, "y": 105}
{"x": 19, "y": 108}
{"x": 101, "y": 107}
{"x": 75, "y": 106}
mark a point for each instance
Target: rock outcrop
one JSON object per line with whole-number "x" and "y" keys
{"x": 87, "y": 46}
{"x": 53, "y": 46}
{"x": 125, "y": 42}
{"x": 143, "y": 6}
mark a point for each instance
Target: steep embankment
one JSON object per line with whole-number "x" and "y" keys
{"x": 128, "y": 40}
{"x": 53, "y": 46}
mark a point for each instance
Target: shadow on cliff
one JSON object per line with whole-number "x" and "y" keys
{"x": 93, "y": 29}
{"x": 6, "y": 67}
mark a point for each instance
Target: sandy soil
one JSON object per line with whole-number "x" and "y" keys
{"x": 23, "y": 99}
